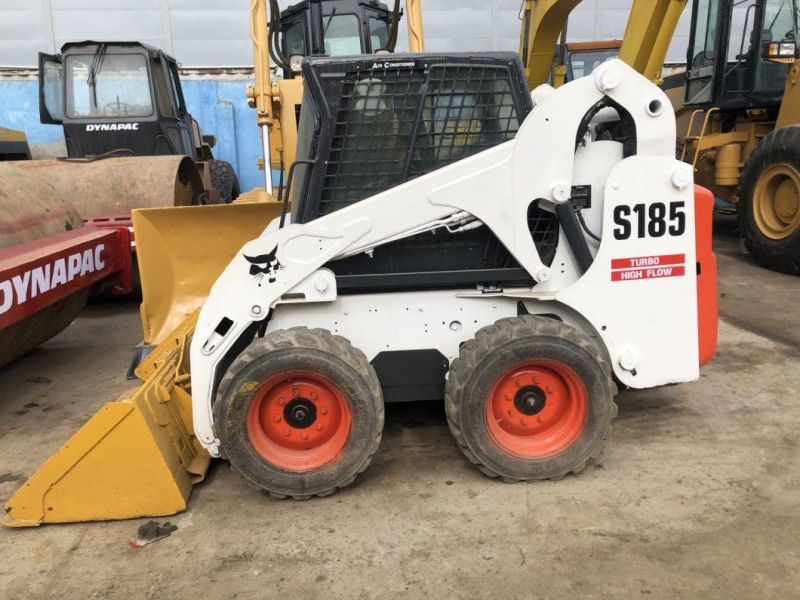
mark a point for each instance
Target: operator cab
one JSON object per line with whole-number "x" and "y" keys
{"x": 118, "y": 97}
{"x": 739, "y": 52}
{"x": 331, "y": 28}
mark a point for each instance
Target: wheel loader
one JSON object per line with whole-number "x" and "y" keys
{"x": 744, "y": 135}
{"x": 539, "y": 271}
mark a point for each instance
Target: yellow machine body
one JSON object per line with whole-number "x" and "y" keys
{"x": 135, "y": 457}
{"x": 287, "y": 94}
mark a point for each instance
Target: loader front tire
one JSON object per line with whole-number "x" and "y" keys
{"x": 769, "y": 201}
{"x": 299, "y": 413}
{"x": 530, "y": 398}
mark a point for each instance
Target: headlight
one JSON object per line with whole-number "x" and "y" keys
{"x": 296, "y": 62}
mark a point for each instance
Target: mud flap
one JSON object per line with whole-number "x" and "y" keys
{"x": 135, "y": 457}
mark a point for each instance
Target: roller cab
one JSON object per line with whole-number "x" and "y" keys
{"x": 121, "y": 96}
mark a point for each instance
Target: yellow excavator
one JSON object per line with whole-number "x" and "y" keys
{"x": 138, "y": 456}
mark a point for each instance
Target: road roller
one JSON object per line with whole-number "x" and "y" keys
{"x": 50, "y": 262}
{"x": 123, "y": 99}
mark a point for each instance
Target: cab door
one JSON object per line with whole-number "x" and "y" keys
{"x": 701, "y": 56}
{"x": 175, "y": 134}
{"x": 51, "y": 89}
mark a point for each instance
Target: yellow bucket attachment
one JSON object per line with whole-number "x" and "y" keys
{"x": 135, "y": 457}
{"x": 183, "y": 250}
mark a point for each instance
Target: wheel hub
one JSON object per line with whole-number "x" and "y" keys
{"x": 529, "y": 400}
{"x": 537, "y": 409}
{"x": 300, "y": 413}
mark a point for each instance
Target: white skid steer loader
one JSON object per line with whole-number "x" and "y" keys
{"x": 529, "y": 393}
{"x": 282, "y": 377}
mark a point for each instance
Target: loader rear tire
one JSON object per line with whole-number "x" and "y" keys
{"x": 530, "y": 398}
{"x": 299, "y": 413}
{"x": 223, "y": 179}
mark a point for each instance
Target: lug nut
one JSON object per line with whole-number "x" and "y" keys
{"x": 319, "y": 427}
{"x": 535, "y": 380}
{"x": 304, "y": 436}
{"x": 296, "y": 391}
{"x": 287, "y": 432}
{"x": 277, "y": 418}
{"x": 549, "y": 389}
{"x": 281, "y": 401}
{"x": 508, "y": 397}
{"x": 313, "y": 395}
{"x": 523, "y": 421}
{"x": 324, "y": 410}
{"x": 540, "y": 419}
{"x": 516, "y": 381}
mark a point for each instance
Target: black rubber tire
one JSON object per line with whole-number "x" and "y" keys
{"x": 223, "y": 179}
{"x": 780, "y": 146}
{"x": 307, "y": 349}
{"x": 493, "y": 350}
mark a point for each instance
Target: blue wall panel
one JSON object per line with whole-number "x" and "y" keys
{"x": 219, "y": 105}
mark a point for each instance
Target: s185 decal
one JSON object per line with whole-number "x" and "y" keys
{"x": 649, "y": 220}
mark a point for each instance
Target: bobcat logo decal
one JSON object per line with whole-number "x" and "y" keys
{"x": 270, "y": 268}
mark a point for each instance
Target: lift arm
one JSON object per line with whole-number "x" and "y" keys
{"x": 651, "y": 24}
{"x": 260, "y": 95}
{"x": 416, "y": 37}
{"x": 542, "y": 23}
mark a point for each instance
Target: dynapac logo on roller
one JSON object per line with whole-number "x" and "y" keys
{"x": 113, "y": 127}
{"x": 47, "y": 277}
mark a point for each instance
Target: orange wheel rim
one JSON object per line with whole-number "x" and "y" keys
{"x": 536, "y": 409}
{"x": 298, "y": 421}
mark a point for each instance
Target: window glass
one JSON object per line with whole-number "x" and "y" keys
{"x": 378, "y": 33}
{"x": 583, "y": 62}
{"x": 108, "y": 85}
{"x": 705, "y": 35}
{"x": 52, "y": 88}
{"x": 165, "y": 102}
{"x": 295, "y": 40}
{"x": 341, "y": 35}
{"x": 779, "y": 26}
{"x": 175, "y": 81}
{"x": 702, "y": 51}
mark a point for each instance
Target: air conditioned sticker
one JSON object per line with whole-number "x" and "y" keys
{"x": 648, "y": 267}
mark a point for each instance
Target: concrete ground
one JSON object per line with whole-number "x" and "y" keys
{"x": 697, "y": 493}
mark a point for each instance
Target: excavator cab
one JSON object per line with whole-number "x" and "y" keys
{"x": 118, "y": 96}
{"x": 739, "y": 53}
{"x": 331, "y": 28}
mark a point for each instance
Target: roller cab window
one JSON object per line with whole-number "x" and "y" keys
{"x": 107, "y": 85}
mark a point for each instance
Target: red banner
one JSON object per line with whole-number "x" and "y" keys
{"x": 36, "y": 274}
{"x": 648, "y": 267}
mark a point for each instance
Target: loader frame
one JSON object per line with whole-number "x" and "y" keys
{"x": 281, "y": 273}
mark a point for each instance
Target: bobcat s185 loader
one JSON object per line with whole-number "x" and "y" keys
{"x": 283, "y": 371}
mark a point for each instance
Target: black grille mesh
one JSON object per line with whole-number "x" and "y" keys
{"x": 390, "y": 125}
{"x": 392, "y": 129}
